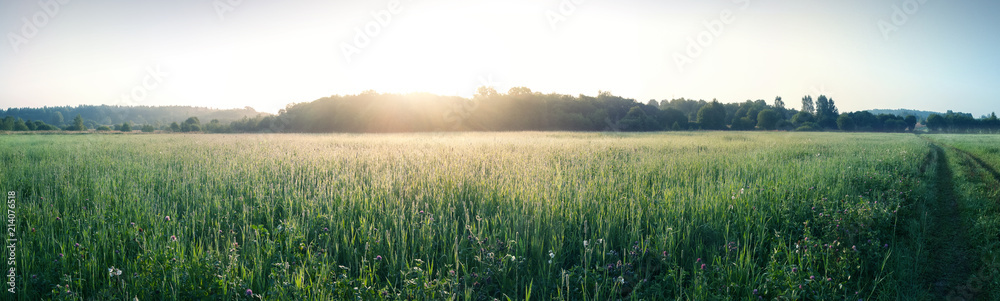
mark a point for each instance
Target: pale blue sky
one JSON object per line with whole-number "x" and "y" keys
{"x": 266, "y": 54}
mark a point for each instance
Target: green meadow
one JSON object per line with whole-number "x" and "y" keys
{"x": 505, "y": 216}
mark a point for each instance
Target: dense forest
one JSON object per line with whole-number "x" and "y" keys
{"x": 519, "y": 109}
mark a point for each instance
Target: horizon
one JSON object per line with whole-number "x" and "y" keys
{"x": 470, "y": 98}
{"x": 925, "y": 55}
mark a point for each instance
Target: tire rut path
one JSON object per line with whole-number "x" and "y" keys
{"x": 950, "y": 262}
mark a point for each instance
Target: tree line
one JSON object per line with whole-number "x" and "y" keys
{"x": 520, "y": 109}
{"x": 111, "y": 117}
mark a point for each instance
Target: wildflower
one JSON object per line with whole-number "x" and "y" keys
{"x": 829, "y": 279}
{"x": 698, "y": 260}
{"x": 584, "y": 243}
{"x": 600, "y": 240}
{"x": 76, "y": 245}
{"x": 621, "y": 279}
{"x": 60, "y": 254}
{"x": 702, "y": 266}
{"x": 378, "y": 257}
{"x": 794, "y": 270}
{"x": 551, "y": 255}
{"x": 754, "y": 291}
{"x": 812, "y": 277}
{"x": 325, "y": 229}
{"x": 131, "y": 224}
{"x": 114, "y": 272}
{"x": 249, "y": 292}
{"x": 32, "y": 229}
{"x": 58, "y": 219}
{"x": 173, "y": 238}
{"x": 167, "y": 218}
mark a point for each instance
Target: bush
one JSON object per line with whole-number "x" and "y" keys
{"x": 809, "y": 127}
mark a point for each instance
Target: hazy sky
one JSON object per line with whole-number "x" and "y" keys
{"x": 866, "y": 54}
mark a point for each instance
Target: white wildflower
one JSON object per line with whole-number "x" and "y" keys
{"x": 114, "y": 272}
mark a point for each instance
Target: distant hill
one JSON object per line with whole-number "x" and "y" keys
{"x": 921, "y": 115}
{"x": 109, "y": 115}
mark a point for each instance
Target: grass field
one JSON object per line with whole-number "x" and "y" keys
{"x": 484, "y": 216}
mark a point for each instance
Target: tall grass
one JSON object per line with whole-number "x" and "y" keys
{"x": 466, "y": 216}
